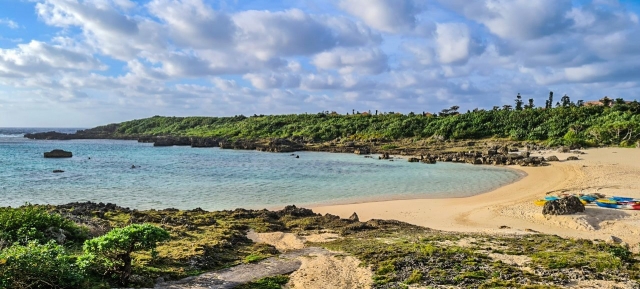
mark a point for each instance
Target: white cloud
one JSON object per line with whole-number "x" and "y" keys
{"x": 267, "y": 34}
{"x": 104, "y": 27}
{"x": 391, "y": 16}
{"x": 194, "y": 24}
{"x": 9, "y": 23}
{"x": 186, "y": 57}
{"x": 40, "y": 58}
{"x": 346, "y": 61}
{"x": 516, "y": 19}
{"x": 270, "y": 81}
{"x": 453, "y": 42}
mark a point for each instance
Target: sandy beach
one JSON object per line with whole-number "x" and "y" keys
{"x": 611, "y": 171}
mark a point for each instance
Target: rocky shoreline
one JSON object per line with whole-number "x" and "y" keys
{"x": 489, "y": 152}
{"x": 392, "y": 252}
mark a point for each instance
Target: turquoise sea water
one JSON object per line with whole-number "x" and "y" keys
{"x": 213, "y": 179}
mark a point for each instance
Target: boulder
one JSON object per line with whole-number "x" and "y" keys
{"x": 414, "y": 160}
{"x": 565, "y": 206}
{"x": 564, "y": 149}
{"x": 572, "y": 158}
{"x": 294, "y": 211}
{"x": 362, "y": 151}
{"x": 553, "y": 159}
{"x": 58, "y": 154}
{"x": 429, "y": 160}
{"x": 354, "y": 217}
{"x": 614, "y": 240}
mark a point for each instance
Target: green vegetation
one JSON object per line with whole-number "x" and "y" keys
{"x": 31, "y": 223}
{"x": 110, "y": 255}
{"x": 398, "y": 254}
{"x": 275, "y": 282}
{"x": 38, "y": 266}
{"x": 566, "y": 124}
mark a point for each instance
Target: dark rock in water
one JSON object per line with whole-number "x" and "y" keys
{"x": 414, "y": 160}
{"x": 553, "y": 159}
{"x": 362, "y": 151}
{"x": 572, "y": 158}
{"x": 58, "y": 154}
{"x": 297, "y": 156}
{"x": 384, "y": 156}
{"x": 354, "y": 217}
{"x": 58, "y": 171}
{"x": 565, "y": 206}
{"x": 429, "y": 160}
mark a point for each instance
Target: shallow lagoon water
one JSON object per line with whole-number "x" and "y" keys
{"x": 215, "y": 179}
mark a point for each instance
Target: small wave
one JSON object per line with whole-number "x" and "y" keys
{"x": 12, "y": 135}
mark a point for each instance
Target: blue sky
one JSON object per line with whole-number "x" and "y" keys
{"x": 84, "y": 63}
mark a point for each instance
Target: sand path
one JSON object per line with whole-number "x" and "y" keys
{"x": 613, "y": 171}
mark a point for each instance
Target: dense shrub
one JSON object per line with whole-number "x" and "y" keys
{"x": 110, "y": 255}
{"x": 38, "y": 266}
{"x": 617, "y": 125}
{"x": 32, "y": 223}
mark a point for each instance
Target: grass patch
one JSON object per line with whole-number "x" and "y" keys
{"x": 275, "y": 282}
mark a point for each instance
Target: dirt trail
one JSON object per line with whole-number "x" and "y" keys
{"x": 241, "y": 274}
{"x": 312, "y": 267}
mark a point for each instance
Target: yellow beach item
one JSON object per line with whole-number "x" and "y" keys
{"x": 606, "y": 201}
{"x": 540, "y": 203}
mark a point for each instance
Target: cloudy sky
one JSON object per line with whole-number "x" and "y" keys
{"x": 84, "y": 63}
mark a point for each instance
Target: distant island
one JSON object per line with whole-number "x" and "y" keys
{"x": 575, "y": 124}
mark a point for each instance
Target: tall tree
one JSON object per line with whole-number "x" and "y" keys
{"x": 606, "y": 101}
{"x": 531, "y": 105}
{"x": 550, "y": 101}
{"x": 519, "y": 102}
{"x": 565, "y": 101}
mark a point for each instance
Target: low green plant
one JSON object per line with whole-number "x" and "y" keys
{"x": 275, "y": 282}
{"x": 110, "y": 255}
{"x": 32, "y": 223}
{"x": 389, "y": 147}
{"x": 38, "y": 266}
{"x": 415, "y": 277}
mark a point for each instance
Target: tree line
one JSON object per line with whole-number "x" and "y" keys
{"x": 610, "y": 122}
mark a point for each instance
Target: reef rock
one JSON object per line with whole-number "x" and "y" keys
{"x": 553, "y": 159}
{"x": 58, "y": 154}
{"x": 565, "y": 206}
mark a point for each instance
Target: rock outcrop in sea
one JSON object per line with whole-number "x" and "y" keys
{"x": 58, "y": 154}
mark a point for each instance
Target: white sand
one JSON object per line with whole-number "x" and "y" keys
{"x": 612, "y": 171}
